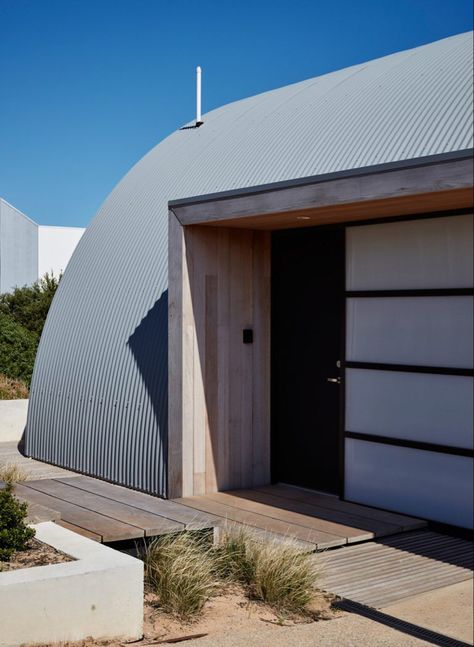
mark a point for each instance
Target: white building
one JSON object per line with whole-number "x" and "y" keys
{"x": 29, "y": 250}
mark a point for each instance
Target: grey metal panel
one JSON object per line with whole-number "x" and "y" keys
{"x": 18, "y": 248}
{"x": 99, "y": 391}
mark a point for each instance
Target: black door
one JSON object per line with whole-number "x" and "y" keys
{"x": 307, "y": 327}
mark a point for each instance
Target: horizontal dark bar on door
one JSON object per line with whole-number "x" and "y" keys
{"x": 409, "y": 368}
{"x": 411, "y": 444}
{"x": 441, "y": 292}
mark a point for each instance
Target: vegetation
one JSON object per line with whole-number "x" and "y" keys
{"x": 29, "y": 305}
{"x": 22, "y": 316}
{"x": 180, "y": 569}
{"x": 13, "y": 473}
{"x": 14, "y": 532}
{"x": 12, "y": 389}
{"x": 184, "y": 570}
{"x": 17, "y": 349}
{"x": 277, "y": 573}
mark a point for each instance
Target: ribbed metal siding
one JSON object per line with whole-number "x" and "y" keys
{"x": 99, "y": 393}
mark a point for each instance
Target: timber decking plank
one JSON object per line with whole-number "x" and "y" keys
{"x": 234, "y": 529}
{"x": 146, "y": 502}
{"x": 80, "y": 531}
{"x": 371, "y": 562}
{"x": 38, "y": 513}
{"x": 382, "y": 572}
{"x": 360, "y": 527}
{"x": 149, "y": 524}
{"x": 413, "y": 562}
{"x": 319, "y": 538}
{"x": 289, "y": 514}
{"x": 108, "y": 529}
{"x": 334, "y": 503}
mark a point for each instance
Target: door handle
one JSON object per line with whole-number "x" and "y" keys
{"x": 334, "y": 380}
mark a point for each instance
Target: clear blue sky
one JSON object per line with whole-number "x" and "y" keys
{"x": 88, "y": 86}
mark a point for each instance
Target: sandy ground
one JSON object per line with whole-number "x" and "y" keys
{"x": 230, "y": 620}
{"x": 449, "y": 611}
{"x": 227, "y": 614}
{"x": 348, "y": 630}
{"x": 38, "y": 554}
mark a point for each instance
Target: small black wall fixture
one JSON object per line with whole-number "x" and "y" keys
{"x": 247, "y": 336}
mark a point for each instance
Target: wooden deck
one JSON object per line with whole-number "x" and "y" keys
{"x": 397, "y": 558}
{"x": 108, "y": 513}
{"x": 319, "y": 520}
{"x": 382, "y": 572}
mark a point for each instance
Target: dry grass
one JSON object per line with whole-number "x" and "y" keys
{"x": 12, "y": 389}
{"x": 234, "y": 558}
{"x": 13, "y": 473}
{"x": 277, "y": 573}
{"x": 184, "y": 570}
{"x": 180, "y": 570}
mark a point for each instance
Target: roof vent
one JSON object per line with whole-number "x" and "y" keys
{"x": 199, "y": 120}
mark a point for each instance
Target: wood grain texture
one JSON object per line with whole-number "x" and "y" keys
{"x": 387, "y": 570}
{"x": 142, "y": 501}
{"x": 287, "y": 517}
{"x": 404, "y": 205}
{"x": 178, "y": 449}
{"x": 80, "y": 531}
{"x": 397, "y": 184}
{"x": 293, "y": 514}
{"x": 220, "y": 403}
{"x": 148, "y": 524}
{"x": 319, "y": 538}
{"x": 400, "y": 521}
{"x": 108, "y": 529}
{"x": 358, "y": 524}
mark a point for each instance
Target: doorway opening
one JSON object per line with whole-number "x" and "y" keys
{"x": 308, "y": 284}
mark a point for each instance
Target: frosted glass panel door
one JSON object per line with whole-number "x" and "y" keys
{"x": 409, "y": 367}
{"x": 425, "y": 484}
{"x": 424, "y": 331}
{"x": 413, "y": 406}
{"x": 434, "y": 253}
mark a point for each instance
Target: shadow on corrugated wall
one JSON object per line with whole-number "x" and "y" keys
{"x": 152, "y": 362}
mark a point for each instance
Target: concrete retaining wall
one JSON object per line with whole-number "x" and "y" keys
{"x": 99, "y": 595}
{"x": 12, "y": 419}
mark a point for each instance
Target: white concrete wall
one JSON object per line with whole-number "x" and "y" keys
{"x": 18, "y": 248}
{"x": 100, "y": 595}
{"x": 55, "y": 247}
{"x": 12, "y": 419}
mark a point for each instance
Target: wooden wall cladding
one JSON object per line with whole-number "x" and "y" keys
{"x": 219, "y": 387}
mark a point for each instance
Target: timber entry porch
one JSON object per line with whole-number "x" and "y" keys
{"x": 108, "y": 513}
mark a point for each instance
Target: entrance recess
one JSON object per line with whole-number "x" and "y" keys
{"x": 308, "y": 285}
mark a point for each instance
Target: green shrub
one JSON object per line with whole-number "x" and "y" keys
{"x": 29, "y": 304}
{"x": 14, "y": 532}
{"x": 12, "y": 389}
{"x": 17, "y": 349}
{"x": 22, "y": 317}
{"x": 179, "y": 569}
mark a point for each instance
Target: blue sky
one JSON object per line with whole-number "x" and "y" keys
{"x": 88, "y": 86}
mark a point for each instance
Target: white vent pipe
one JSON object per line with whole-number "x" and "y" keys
{"x": 198, "y": 96}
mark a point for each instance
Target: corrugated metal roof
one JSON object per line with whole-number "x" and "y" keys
{"x": 99, "y": 391}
